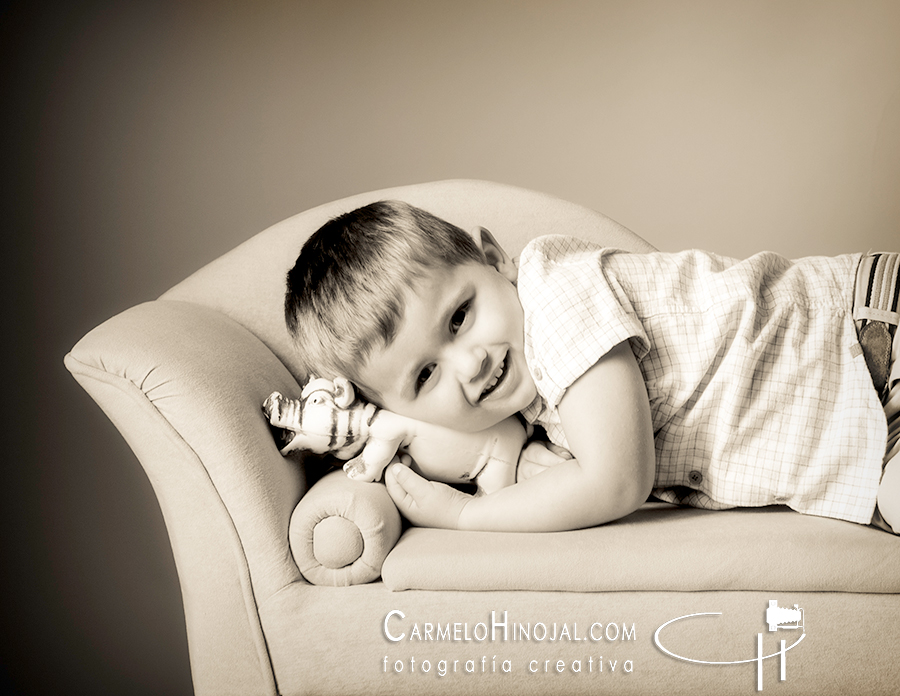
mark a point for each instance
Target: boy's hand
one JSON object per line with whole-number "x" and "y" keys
{"x": 539, "y": 456}
{"x": 424, "y": 503}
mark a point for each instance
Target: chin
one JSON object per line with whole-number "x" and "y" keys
{"x": 528, "y": 395}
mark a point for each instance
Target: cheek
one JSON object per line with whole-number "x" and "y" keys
{"x": 397, "y": 405}
{"x": 436, "y": 408}
{"x": 510, "y": 317}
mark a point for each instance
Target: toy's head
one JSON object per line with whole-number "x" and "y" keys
{"x": 326, "y": 418}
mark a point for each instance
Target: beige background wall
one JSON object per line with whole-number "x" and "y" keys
{"x": 141, "y": 142}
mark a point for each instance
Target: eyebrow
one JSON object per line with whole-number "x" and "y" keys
{"x": 443, "y": 320}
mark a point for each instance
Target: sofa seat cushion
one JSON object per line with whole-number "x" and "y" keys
{"x": 659, "y": 547}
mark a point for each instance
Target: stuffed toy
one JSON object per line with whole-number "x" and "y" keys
{"x": 329, "y": 419}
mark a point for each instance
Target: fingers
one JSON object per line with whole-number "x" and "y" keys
{"x": 412, "y": 494}
{"x": 403, "y": 480}
{"x": 424, "y": 503}
{"x": 359, "y": 469}
{"x": 560, "y": 451}
{"x": 539, "y": 456}
{"x": 527, "y": 469}
{"x": 401, "y": 483}
{"x": 539, "y": 453}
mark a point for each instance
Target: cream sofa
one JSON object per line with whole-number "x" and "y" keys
{"x": 183, "y": 377}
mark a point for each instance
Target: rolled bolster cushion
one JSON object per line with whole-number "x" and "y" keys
{"x": 342, "y": 530}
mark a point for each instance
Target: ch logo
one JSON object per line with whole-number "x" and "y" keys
{"x": 777, "y": 618}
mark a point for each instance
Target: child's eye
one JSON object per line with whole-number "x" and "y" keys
{"x": 459, "y": 317}
{"x": 424, "y": 376}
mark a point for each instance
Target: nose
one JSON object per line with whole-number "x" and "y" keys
{"x": 470, "y": 362}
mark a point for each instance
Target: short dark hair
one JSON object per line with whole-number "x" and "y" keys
{"x": 346, "y": 290}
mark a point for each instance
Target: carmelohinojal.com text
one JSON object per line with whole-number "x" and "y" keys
{"x": 500, "y": 629}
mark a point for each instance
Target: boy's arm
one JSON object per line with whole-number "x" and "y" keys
{"x": 606, "y": 417}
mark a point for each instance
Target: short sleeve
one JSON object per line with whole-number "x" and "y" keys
{"x": 575, "y": 312}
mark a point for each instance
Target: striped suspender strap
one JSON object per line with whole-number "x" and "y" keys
{"x": 875, "y": 309}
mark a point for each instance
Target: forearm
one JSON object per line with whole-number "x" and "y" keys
{"x": 606, "y": 418}
{"x": 565, "y": 496}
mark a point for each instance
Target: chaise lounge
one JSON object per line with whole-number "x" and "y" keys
{"x": 295, "y": 582}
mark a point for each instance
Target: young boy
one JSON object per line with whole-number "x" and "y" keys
{"x": 703, "y": 380}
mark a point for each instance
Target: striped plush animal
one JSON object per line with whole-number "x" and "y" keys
{"x": 329, "y": 419}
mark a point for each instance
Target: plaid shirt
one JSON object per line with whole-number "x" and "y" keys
{"x": 758, "y": 389}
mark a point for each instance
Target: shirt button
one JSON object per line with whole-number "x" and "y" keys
{"x": 695, "y": 477}
{"x": 780, "y": 499}
{"x": 538, "y": 375}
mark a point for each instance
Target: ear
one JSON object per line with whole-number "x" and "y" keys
{"x": 343, "y": 392}
{"x": 495, "y": 254}
{"x": 310, "y": 385}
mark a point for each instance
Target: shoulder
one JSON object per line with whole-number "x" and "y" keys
{"x": 574, "y": 312}
{"x": 552, "y": 259}
{"x": 557, "y": 248}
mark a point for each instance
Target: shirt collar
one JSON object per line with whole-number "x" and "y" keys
{"x": 533, "y": 411}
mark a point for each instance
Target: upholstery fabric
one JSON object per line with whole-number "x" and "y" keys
{"x": 341, "y": 530}
{"x": 770, "y": 548}
{"x": 183, "y": 378}
{"x": 340, "y": 645}
{"x": 183, "y": 385}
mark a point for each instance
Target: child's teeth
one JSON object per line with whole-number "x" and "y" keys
{"x": 496, "y": 377}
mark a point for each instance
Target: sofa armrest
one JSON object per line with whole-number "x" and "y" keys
{"x": 183, "y": 379}
{"x": 342, "y": 530}
{"x": 183, "y": 384}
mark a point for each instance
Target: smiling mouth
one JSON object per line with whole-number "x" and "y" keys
{"x": 496, "y": 379}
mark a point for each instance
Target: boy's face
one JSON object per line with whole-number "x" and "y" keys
{"x": 458, "y": 358}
